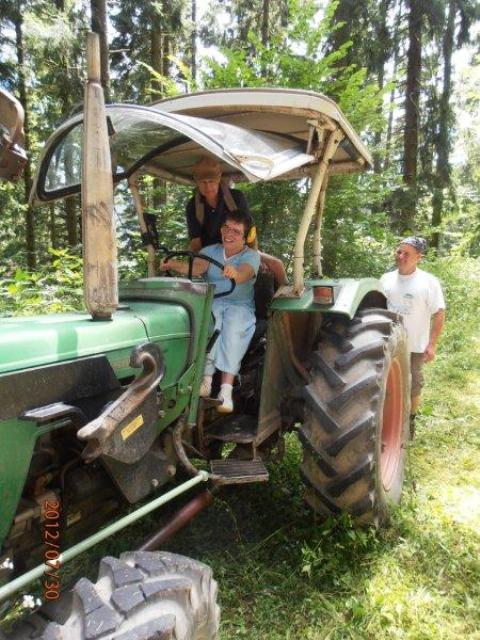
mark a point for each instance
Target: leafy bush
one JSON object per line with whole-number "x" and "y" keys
{"x": 54, "y": 288}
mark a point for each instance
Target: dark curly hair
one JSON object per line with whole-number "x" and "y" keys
{"x": 241, "y": 216}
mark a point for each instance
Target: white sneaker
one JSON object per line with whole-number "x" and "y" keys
{"x": 225, "y": 395}
{"x": 206, "y": 387}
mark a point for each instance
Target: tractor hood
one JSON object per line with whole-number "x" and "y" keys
{"x": 166, "y": 145}
{"x": 29, "y": 342}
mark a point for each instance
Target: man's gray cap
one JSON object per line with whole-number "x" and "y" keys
{"x": 420, "y": 244}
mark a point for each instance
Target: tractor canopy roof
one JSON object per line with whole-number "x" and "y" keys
{"x": 256, "y": 134}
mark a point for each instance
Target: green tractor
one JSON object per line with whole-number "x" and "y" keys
{"x": 103, "y": 408}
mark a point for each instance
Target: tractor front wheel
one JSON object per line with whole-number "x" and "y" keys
{"x": 151, "y": 596}
{"x": 357, "y": 417}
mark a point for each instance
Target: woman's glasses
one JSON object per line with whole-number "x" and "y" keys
{"x": 234, "y": 232}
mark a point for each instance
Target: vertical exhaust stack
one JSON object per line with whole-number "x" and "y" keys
{"x": 99, "y": 238}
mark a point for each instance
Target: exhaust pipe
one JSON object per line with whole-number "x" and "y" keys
{"x": 179, "y": 520}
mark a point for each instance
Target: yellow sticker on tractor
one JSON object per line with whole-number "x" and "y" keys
{"x": 130, "y": 429}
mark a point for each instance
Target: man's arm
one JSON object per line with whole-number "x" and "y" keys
{"x": 195, "y": 245}
{"x": 276, "y": 267}
{"x": 194, "y": 227}
{"x": 438, "y": 320}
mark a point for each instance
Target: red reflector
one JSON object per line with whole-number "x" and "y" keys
{"x": 323, "y": 295}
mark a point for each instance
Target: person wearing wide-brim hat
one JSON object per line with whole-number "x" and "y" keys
{"x": 417, "y": 296}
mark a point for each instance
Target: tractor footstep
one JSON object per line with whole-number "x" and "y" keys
{"x": 238, "y": 471}
{"x": 240, "y": 429}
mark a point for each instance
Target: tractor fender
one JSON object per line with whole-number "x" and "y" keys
{"x": 349, "y": 295}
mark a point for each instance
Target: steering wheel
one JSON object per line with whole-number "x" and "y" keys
{"x": 191, "y": 255}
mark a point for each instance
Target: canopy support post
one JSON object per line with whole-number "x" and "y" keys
{"x": 319, "y": 177}
{"x": 317, "y": 236}
{"x": 137, "y": 199}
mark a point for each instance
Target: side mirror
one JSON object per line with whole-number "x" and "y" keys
{"x": 12, "y": 155}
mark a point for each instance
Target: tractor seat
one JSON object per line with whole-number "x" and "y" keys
{"x": 264, "y": 290}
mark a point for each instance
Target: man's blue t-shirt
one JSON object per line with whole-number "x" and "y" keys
{"x": 243, "y": 293}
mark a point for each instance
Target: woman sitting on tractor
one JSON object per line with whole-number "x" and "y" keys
{"x": 234, "y": 313}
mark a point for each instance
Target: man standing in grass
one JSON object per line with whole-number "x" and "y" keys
{"x": 417, "y": 296}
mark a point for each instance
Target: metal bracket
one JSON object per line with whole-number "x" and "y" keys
{"x": 125, "y": 430}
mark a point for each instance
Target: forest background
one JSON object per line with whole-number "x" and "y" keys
{"x": 406, "y": 73}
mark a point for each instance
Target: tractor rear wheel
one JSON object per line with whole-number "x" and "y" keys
{"x": 357, "y": 417}
{"x": 152, "y": 596}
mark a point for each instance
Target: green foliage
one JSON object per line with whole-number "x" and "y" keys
{"x": 358, "y": 240}
{"x": 12, "y": 229}
{"x": 164, "y": 86}
{"x": 294, "y": 57}
{"x": 146, "y": 36}
{"x": 459, "y": 277}
{"x": 55, "y": 288}
{"x": 167, "y": 203}
{"x": 347, "y": 546}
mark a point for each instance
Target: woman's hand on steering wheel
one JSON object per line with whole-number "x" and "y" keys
{"x": 191, "y": 255}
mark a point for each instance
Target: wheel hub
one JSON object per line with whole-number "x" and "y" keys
{"x": 392, "y": 425}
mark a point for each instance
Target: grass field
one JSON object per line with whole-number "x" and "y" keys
{"x": 283, "y": 575}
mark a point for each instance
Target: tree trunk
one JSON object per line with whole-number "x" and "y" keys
{"x": 52, "y": 226}
{"x": 160, "y": 62}
{"x": 345, "y": 19}
{"x": 442, "y": 174}
{"x": 391, "y": 102}
{"x": 156, "y": 51}
{"x": 99, "y": 25}
{"x": 194, "y": 42}
{"x": 71, "y": 214}
{"x": 265, "y": 22}
{"x": 70, "y": 204}
{"x": 382, "y": 34}
{"x": 27, "y": 174}
{"x": 166, "y": 50}
{"x": 412, "y": 105}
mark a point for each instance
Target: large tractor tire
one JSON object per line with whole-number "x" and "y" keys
{"x": 357, "y": 417}
{"x": 142, "y": 596}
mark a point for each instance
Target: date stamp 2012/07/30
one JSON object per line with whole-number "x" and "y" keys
{"x": 51, "y": 538}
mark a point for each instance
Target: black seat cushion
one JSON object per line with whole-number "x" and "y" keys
{"x": 264, "y": 289}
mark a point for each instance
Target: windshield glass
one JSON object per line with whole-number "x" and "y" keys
{"x": 167, "y": 145}
{"x": 65, "y": 166}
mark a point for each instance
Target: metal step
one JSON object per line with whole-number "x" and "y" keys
{"x": 240, "y": 429}
{"x": 238, "y": 471}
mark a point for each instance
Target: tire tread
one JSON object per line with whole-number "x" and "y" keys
{"x": 342, "y": 414}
